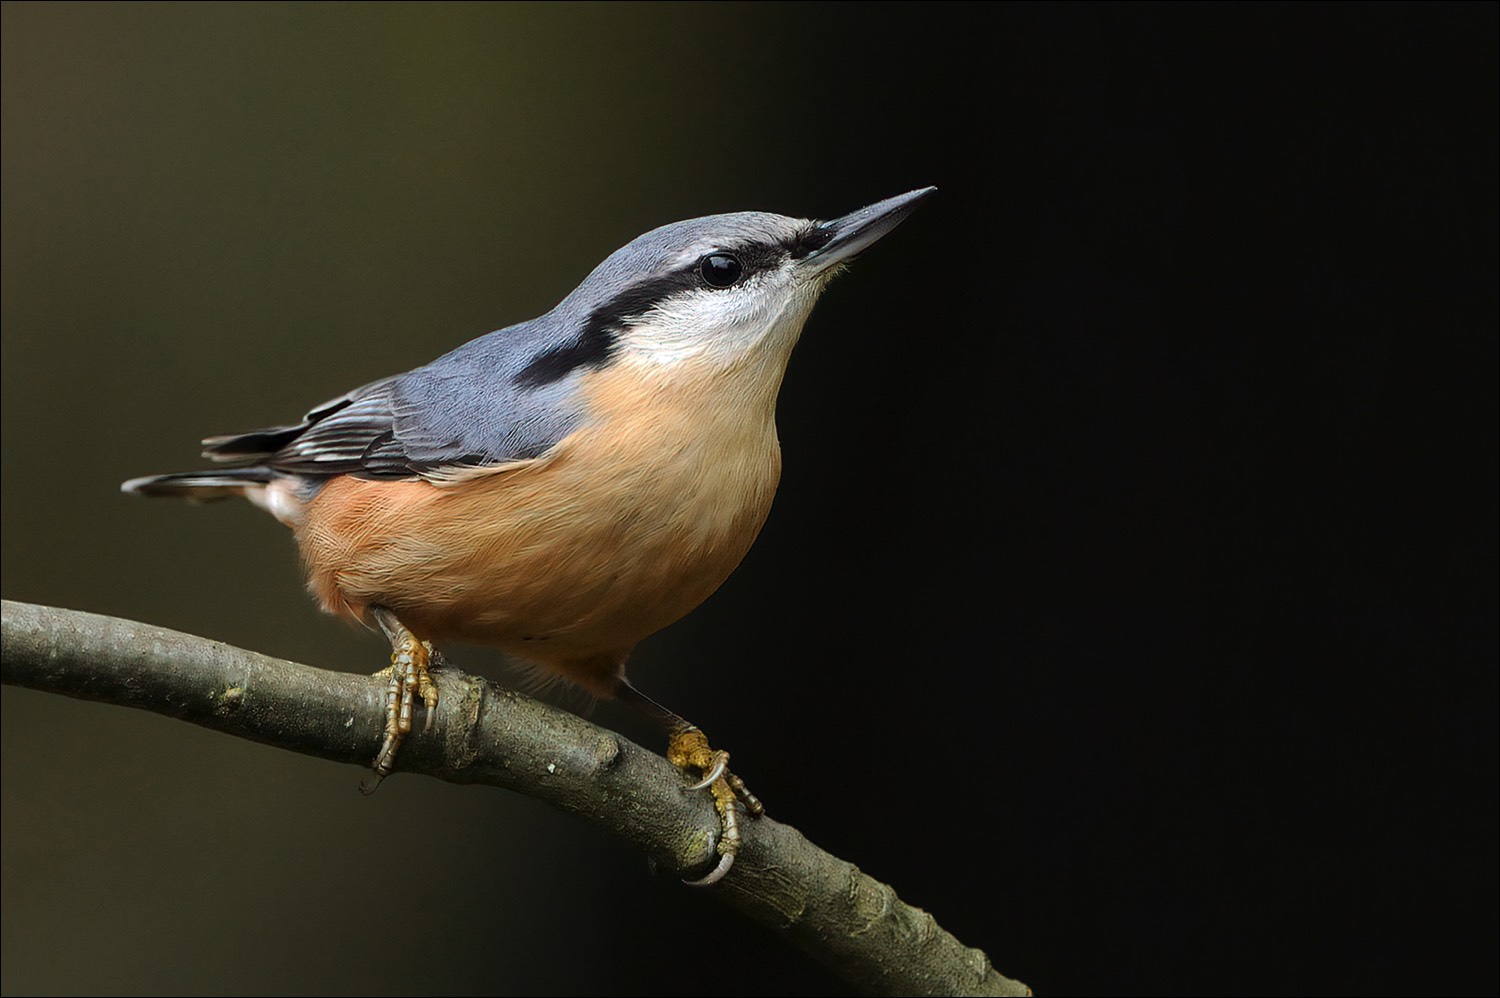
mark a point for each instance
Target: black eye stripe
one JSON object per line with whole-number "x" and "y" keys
{"x": 756, "y": 257}
{"x": 809, "y": 240}
{"x": 753, "y": 258}
{"x": 597, "y": 340}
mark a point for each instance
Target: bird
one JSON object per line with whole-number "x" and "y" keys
{"x": 562, "y": 488}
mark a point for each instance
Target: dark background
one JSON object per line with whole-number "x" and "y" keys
{"x": 1134, "y": 561}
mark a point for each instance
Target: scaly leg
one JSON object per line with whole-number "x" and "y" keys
{"x": 410, "y": 677}
{"x": 688, "y": 750}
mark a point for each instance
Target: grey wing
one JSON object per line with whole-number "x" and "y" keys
{"x": 466, "y": 410}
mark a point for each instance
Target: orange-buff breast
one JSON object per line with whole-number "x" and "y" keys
{"x": 568, "y": 560}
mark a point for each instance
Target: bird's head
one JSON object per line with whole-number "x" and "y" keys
{"x": 717, "y": 290}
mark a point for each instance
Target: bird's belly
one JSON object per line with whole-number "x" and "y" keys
{"x": 578, "y": 556}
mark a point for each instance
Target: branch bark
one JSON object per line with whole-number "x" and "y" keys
{"x": 823, "y": 905}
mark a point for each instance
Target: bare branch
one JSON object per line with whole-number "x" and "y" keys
{"x": 853, "y": 924}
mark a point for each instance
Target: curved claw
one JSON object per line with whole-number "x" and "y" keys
{"x": 427, "y": 687}
{"x": 688, "y": 750}
{"x": 385, "y": 762}
{"x": 715, "y": 875}
{"x": 721, "y": 763}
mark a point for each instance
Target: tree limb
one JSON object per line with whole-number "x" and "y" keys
{"x": 850, "y": 922}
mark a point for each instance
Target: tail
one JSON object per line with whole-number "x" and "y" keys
{"x": 203, "y": 486}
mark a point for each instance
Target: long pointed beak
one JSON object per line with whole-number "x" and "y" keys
{"x": 852, "y": 234}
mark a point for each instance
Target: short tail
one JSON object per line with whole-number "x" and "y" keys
{"x": 202, "y": 486}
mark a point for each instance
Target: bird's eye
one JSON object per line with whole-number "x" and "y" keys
{"x": 720, "y": 270}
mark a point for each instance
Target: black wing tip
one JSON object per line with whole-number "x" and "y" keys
{"x": 199, "y": 484}
{"x": 231, "y": 447}
{"x": 245, "y": 446}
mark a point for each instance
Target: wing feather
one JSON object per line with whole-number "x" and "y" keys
{"x": 466, "y": 411}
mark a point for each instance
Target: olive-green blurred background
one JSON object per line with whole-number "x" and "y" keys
{"x": 1135, "y": 547}
{"x": 216, "y": 216}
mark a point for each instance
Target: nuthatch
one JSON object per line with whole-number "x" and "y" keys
{"x": 562, "y": 488}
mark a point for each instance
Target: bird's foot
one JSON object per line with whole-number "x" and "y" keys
{"x": 410, "y": 676}
{"x": 689, "y": 751}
